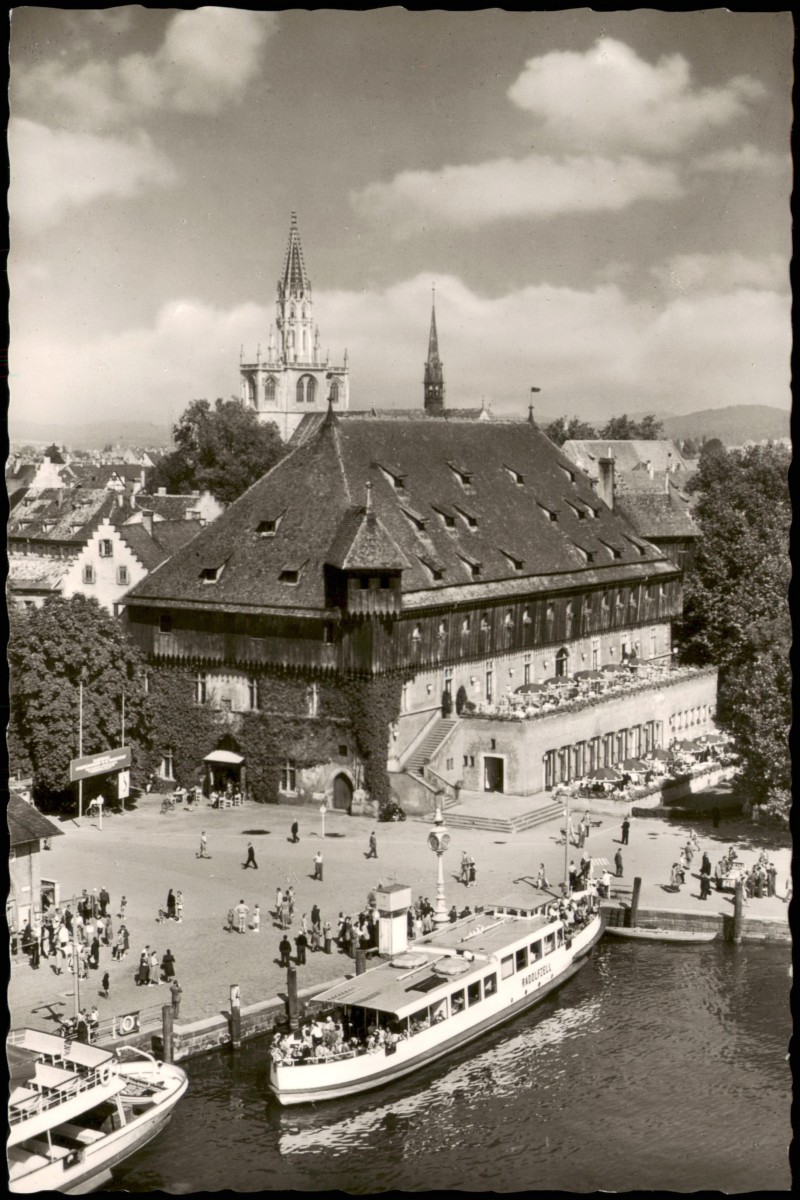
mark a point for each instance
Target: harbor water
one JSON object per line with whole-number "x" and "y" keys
{"x": 656, "y": 1067}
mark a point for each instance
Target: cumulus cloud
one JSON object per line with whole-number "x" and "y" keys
{"x": 747, "y": 158}
{"x": 535, "y": 186}
{"x": 208, "y": 59}
{"x": 592, "y": 351}
{"x": 609, "y": 99}
{"x": 54, "y": 170}
{"x": 720, "y": 273}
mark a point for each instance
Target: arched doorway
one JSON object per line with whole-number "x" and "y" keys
{"x": 342, "y": 793}
{"x": 562, "y": 662}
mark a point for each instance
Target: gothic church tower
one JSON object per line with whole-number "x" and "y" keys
{"x": 434, "y": 371}
{"x": 293, "y": 378}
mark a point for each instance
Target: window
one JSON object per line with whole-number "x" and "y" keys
{"x": 333, "y": 394}
{"x": 489, "y": 682}
{"x": 519, "y": 480}
{"x": 507, "y": 966}
{"x": 469, "y": 519}
{"x": 521, "y": 959}
{"x": 448, "y": 680}
{"x": 450, "y": 764}
{"x": 568, "y": 619}
{"x": 289, "y": 776}
{"x": 474, "y": 993}
{"x": 549, "y": 942}
{"x": 466, "y": 760}
{"x": 122, "y": 575}
{"x": 457, "y": 1002}
{"x": 416, "y": 634}
{"x": 526, "y": 617}
{"x": 165, "y": 623}
{"x": 201, "y": 688}
{"x": 88, "y": 573}
{"x": 442, "y": 630}
{"x": 465, "y": 625}
{"x": 485, "y": 622}
{"x": 269, "y": 526}
{"x": 327, "y": 633}
{"x": 226, "y": 704}
{"x": 252, "y": 689}
{"x": 210, "y": 574}
{"x": 269, "y": 387}
{"x": 289, "y": 575}
{"x": 536, "y": 951}
{"x": 167, "y": 769}
{"x": 490, "y": 985}
{"x": 312, "y": 699}
{"x": 306, "y": 389}
{"x": 106, "y": 548}
{"x": 562, "y": 662}
{"x": 526, "y": 672}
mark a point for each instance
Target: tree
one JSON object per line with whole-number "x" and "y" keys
{"x": 50, "y": 651}
{"x": 736, "y": 603}
{"x": 624, "y": 429}
{"x": 561, "y": 430}
{"x": 690, "y": 448}
{"x": 223, "y": 450}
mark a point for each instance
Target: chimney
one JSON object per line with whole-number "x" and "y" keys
{"x": 605, "y": 480}
{"x": 147, "y": 520}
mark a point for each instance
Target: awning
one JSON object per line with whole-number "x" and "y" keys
{"x": 224, "y": 756}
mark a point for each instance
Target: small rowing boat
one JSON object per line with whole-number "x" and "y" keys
{"x": 642, "y": 933}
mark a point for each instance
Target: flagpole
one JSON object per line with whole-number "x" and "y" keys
{"x": 123, "y": 735}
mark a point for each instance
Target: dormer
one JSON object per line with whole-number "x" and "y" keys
{"x": 516, "y": 562}
{"x": 462, "y": 473}
{"x": 364, "y": 566}
{"x": 269, "y": 525}
{"x": 517, "y": 476}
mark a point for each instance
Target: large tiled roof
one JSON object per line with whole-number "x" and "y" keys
{"x": 154, "y": 548}
{"x": 168, "y": 507}
{"x": 34, "y": 572}
{"x": 26, "y": 823}
{"x": 627, "y": 455}
{"x": 469, "y": 505}
{"x": 61, "y": 514}
{"x": 657, "y": 514}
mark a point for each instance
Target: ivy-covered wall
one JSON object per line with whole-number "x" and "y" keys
{"x": 357, "y": 711}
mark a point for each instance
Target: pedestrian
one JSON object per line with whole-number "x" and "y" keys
{"x": 705, "y": 866}
{"x": 295, "y": 832}
{"x": 176, "y": 991}
{"x": 242, "y": 910}
{"x": 626, "y": 825}
{"x": 318, "y": 865}
{"x": 256, "y": 922}
{"x": 772, "y": 876}
{"x": 688, "y": 852}
{"x": 316, "y": 917}
{"x": 105, "y": 900}
{"x": 326, "y": 936}
{"x": 285, "y": 949}
{"x": 373, "y": 846}
{"x": 618, "y": 863}
{"x": 472, "y": 880}
{"x": 231, "y": 920}
{"x": 581, "y": 835}
{"x": 168, "y": 965}
{"x": 171, "y": 904}
{"x": 570, "y": 833}
{"x": 94, "y": 953}
{"x": 122, "y": 906}
{"x": 541, "y": 878}
{"x": 179, "y": 907}
{"x": 251, "y": 857}
{"x": 154, "y": 973}
{"x": 203, "y": 852}
{"x": 278, "y": 902}
{"x": 705, "y": 887}
{"x": 106, "y": 984}
{"x": 285, "y": 914}
{"x": 453, "y": 914}
{"x": 108, "y": 931}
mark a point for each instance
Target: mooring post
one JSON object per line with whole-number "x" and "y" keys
{"x": 633, "y": 911}
{"x": 291, "y": 988}
{"x": 361, "y": 961}
{"x": 168, "y": 1049}
{"x": 236, "y": 1016}
{"x": 738, "y": 913}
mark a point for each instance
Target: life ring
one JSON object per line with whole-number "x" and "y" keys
{"x": 127, "y": 1024}
{"x": 104, "y": 1075}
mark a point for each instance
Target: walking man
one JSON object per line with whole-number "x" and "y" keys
{"x": 373, "y": 846}
{"x": 541, "y": 878}
{"x": 177, "y": 992}
{"x": 295, "y": 832}
{"x": 318, "y": 866}
{"x": 251, "y": 857}
{"x": 301, "y": 942}
{"x": 618, "y": 863}
{"x": 242, "y": 910}
{"x": 626, "y": 825}
{"x": 203, "y": 852}
{"x": 285, "y": 949}
{"x": 705, "y": 886}
{"x": 105, "y": 985}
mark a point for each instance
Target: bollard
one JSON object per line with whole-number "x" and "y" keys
{"x": 168, "y": 1050}
{"x": 236, "y": 1016}
{"x": 738, "y": 913}
{"x": 361, "y": 962}
{"x": 633, "y": 912}
{"x": 291, "y": 988}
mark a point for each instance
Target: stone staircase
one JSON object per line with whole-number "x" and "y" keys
{"x": 425, "y": 750}
{"x": 498, "y": 824}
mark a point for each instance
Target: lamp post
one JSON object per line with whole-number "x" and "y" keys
{"x": 323, "y": 808}
{"x": 439, "y": 840}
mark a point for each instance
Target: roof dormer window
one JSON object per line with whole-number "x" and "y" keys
{"x": 211, "y": 574}
{"x": 586, "y": 555}
{"x": 448, "y": 520}
{"x": 614, "y": 551}
{"x": 417, "y": 520}
{"x": 519, "y": 479}
{"x": 269, "y": 526}
{"x": 289, "y": 575}
{"x": 517, "y": 563}
{"x": 434, "y": 569}
{"x": 579, "y": 512}
{"x": 548, "y": 512}
{"x": 569, "y": 474}
{"x": 470, "y": 520}
{"x": 462, "y": 473}
{"x": 394, "y": 474}
{"x": 472, "y": 565}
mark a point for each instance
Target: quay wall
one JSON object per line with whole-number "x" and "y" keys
{"x": 754, "y": 929}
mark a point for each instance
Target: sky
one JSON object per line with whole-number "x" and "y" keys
{"x": 600, "y": 199}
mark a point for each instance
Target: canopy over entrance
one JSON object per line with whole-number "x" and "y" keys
{"x": 224, "y": 757}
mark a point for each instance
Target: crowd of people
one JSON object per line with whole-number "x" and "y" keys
{"x": 321, "y": 1040}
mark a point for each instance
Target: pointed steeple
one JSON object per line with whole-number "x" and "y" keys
{"x": 434, "y": 371}
{"x": 294, "y": 281}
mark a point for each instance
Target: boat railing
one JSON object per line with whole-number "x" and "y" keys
{"x": 47, "y": 1099}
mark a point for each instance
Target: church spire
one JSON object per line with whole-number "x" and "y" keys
{"x": 294, "y": 281}
{"x": 434, "y": 371}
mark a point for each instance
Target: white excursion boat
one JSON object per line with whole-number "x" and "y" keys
{"x": 76, "y": 1111}
{"x": 456, "y": 983}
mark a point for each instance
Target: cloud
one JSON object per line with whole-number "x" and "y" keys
{"x": 54, "y": 170}
{"x": 720, "y": 273}
{"x": 208, "y": 59}
{"x": 609, "y": 99}
{"x": 746, "y": 158}
{"x": 536, "y": 186}
{"x": 592, "y": 351}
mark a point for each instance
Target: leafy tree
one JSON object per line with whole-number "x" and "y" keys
{"x": 223, "y": 450}
{"x": 50, "y": 650}
{"x": 711, "y": 446}
{"x": 690, "y": 448}
{"x": 736, "y": 603}
{"x": 561, "y": 430}
{"x": 624, "y": 429}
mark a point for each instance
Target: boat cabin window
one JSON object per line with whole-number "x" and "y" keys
{"x": 438, "y": 1011}
{"x": 507, "y": 966}
{"x": 490, "y": 985}
{"x": 474, "y": 992}
{"x": 457, "y": 1002}
{"x": 536, "y": 951}
{"x": 560, "y": 935}
{"x": 549, "y": 942}
{"x": 419, "y": 1020}
{"x": 522, "y": 958}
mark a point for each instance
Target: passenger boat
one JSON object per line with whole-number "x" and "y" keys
{"x": 455, "y": 984}
{"x": 76, "y": 1111}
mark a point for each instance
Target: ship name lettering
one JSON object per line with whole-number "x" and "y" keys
{"x": 537, "y": 974}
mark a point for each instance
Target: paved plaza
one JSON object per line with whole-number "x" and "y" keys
{"x": 142, "y": 854}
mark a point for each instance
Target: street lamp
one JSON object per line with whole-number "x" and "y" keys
{"x": 323, "y": 808}
{"x": 439, "y": 840}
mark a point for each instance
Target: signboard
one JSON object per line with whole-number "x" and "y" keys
{"x": 99, "y": 764}
{"x": 123, "y": 785}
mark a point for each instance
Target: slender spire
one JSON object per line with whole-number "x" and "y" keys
{"x": 434, "y": 370}
{"x": 294, "y": 280}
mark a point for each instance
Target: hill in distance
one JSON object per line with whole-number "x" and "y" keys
{"x": 733, "y": 426}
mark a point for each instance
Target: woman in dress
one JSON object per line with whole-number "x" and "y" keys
{"x": 154, "y": 976}
{"x": 168, "y": 966}
{"x": 171, "y": 905}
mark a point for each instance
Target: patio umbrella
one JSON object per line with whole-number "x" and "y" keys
{"x": 556, "y": 681}
{"x": 526, "y": 689}
{"x": 609, "y": 667}
{"x": 712, "y": 739}
{"x": 634, "y": 764}
{"x": 687, "y": 746}
{"x": 661, "y": 755}
{"x": 610, "y": 773}
{"x": 588, "y": 675}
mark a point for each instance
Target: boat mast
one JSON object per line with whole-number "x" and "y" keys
{"x": 566, "y": 844}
